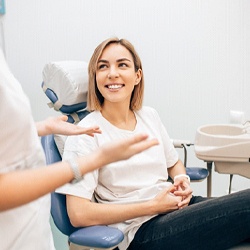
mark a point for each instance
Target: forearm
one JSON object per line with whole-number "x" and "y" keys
{"x": 90, "y": 213}
{"x": 83, "y": 212}
{"x": 106, "y": 214}
{"x": 20, "y": 187}
{"x": 42, "y": 128}
{"x": 23, "y": 186}
{"x": 177, "y": 169}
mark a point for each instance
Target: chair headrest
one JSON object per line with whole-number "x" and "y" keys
{"x": 65, "y": 83}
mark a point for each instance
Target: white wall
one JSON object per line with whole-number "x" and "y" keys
{"x": 195, "y": 53}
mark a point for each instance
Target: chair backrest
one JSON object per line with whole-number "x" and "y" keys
{"x": 58, "y": 201}
{"x": 65, "y": 83}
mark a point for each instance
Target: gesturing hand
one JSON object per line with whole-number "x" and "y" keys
{"x": 124, "y": 149}
{"x": 59, "y": 125}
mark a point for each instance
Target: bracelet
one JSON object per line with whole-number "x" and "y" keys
{"x": 75, "y": 169}
{"x": 182, "y": 175}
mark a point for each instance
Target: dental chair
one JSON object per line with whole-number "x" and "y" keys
{"x": 71, "y": 78}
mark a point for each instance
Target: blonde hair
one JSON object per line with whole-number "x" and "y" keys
{"x": 95, "y": 98}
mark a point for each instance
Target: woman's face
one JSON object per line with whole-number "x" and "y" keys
{"x": 115, "y": 74}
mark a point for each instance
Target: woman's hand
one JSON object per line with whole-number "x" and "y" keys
{"x": 165, "y": 201}
{"x": 59, "y": 125}
{"x": 181, "y": 184}
{"x": 183, "y": 190}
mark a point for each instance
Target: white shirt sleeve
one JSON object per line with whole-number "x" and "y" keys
{"x": 79, "y": 146}
{"x": 152, "y": 119}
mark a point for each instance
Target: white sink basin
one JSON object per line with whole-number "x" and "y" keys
{"x": 227, "y": 145}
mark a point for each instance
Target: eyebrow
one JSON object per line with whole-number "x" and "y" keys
{"x": 119, "y": 60}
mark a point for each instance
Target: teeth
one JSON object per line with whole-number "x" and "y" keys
{"x": 114, "y": 86}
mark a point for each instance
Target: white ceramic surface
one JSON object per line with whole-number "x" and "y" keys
{"x": 227, "y": 145}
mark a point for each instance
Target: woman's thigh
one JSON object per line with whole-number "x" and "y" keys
{"x": 217, "y": 223}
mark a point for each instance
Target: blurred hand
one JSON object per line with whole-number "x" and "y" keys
{"x": 124, "y": 149}
{"x": 59, "y": 125}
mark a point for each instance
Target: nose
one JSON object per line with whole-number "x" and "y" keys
{"x": 113, "y": 72}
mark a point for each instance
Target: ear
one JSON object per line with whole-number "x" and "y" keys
{"x": 138, "y": 76}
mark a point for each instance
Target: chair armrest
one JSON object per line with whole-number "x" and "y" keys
{"x": 97, "y": 237}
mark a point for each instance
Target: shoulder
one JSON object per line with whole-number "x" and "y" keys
{"x": 147, "y": 111}
{"x": 149, "y": 116}
{"x": 91, "y": 119}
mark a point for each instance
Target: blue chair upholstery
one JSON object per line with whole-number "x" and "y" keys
{"x": 101, "y": 237}
{"x": 197, "y": 173}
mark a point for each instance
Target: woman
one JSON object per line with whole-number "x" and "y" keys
{"x": 24, "y": 182}
{"x": 134, "y": 195}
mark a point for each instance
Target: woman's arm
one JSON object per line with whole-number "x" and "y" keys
{"x": 83, "y": 212}
{"x": 59, "y": 125}
{"x": 176, "y": 169}
{"x": 181, "y": 183}
{"x": 23, "y": 186}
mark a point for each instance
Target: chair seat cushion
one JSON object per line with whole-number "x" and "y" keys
{"x": 196, "y": 173}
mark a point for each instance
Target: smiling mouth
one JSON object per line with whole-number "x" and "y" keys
{"x": 114, "y": 86}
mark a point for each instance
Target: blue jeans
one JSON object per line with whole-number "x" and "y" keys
{"x": 207, "y": 223}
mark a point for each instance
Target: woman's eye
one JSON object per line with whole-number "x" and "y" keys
{"x": 102, "y": 66}
{"x": 123, "y": 65}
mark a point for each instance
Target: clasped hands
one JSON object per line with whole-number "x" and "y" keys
{"x": 175, "y": 197}
{"x": 182, "y": 189}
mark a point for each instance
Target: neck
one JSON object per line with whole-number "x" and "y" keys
{"x": 121, "y": 117}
